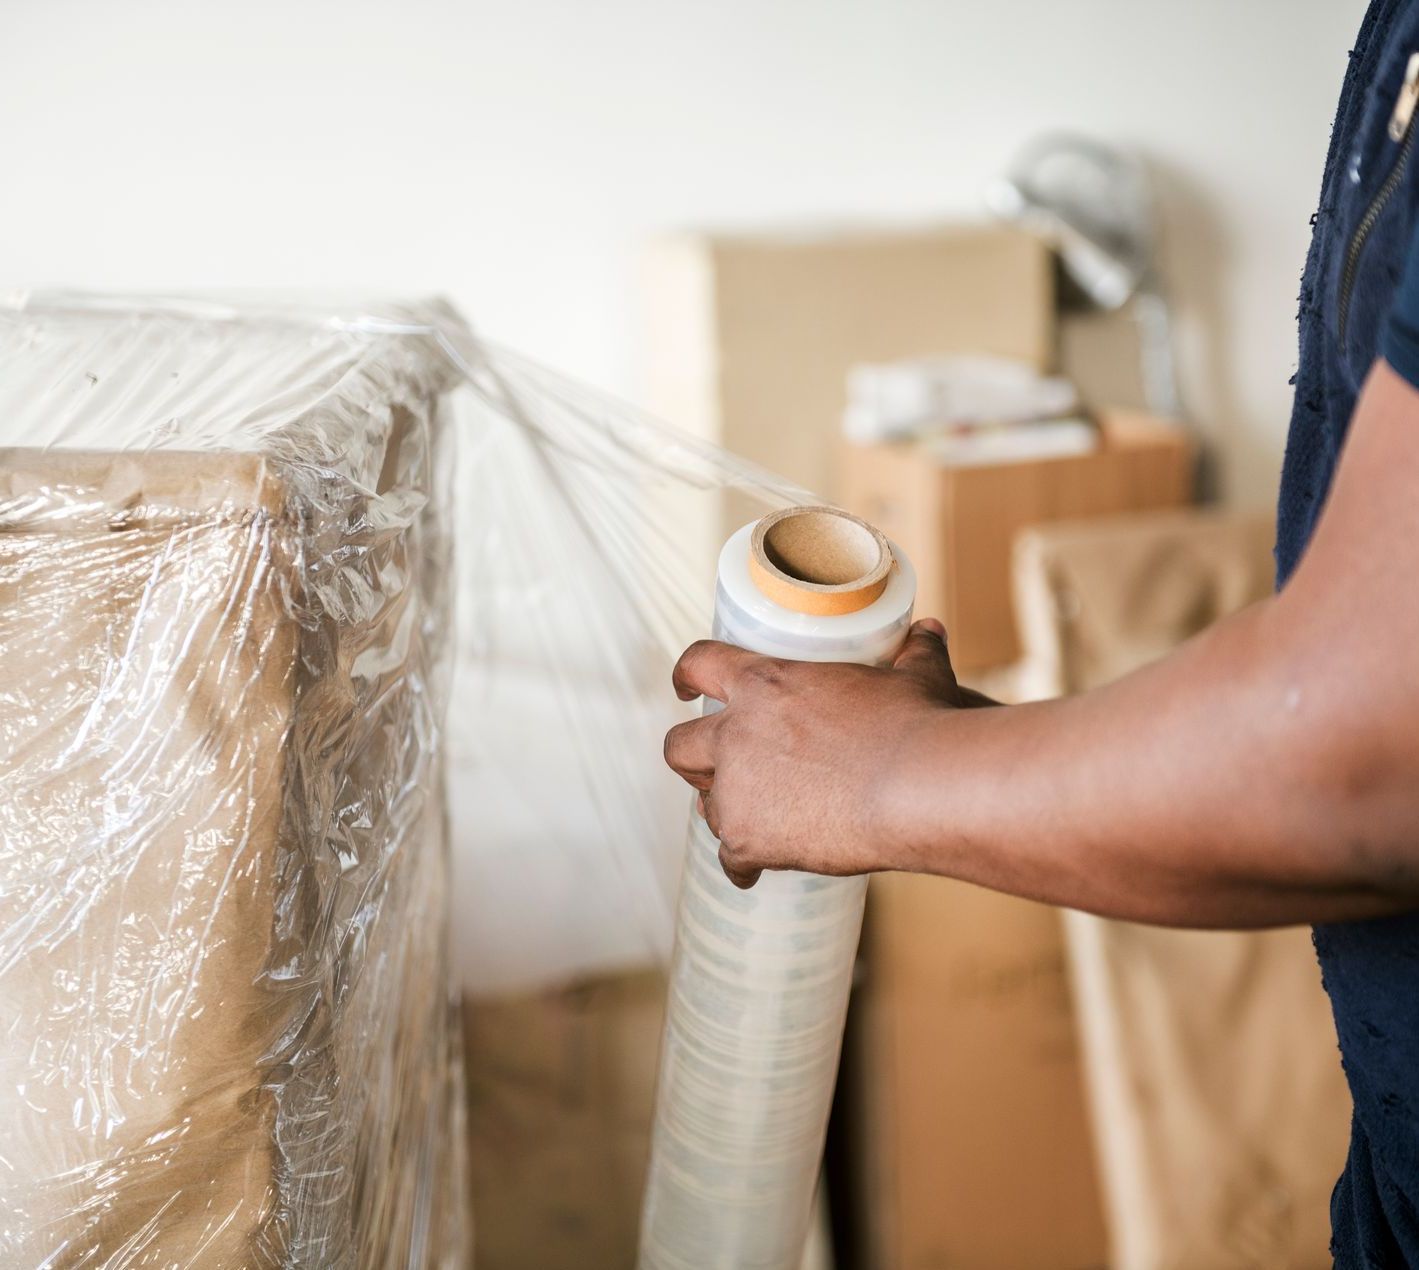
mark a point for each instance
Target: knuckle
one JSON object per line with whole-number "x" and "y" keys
{"x": 672, "y": 744}
{"x": 690, "y": 659}
{"x": 729, "y": 833}
{"x": 678, "y": 747}
{"x": 702, "y": 650}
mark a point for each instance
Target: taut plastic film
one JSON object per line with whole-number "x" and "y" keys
{"x": 229, "y": 639}
{"x": 759, "y": 980}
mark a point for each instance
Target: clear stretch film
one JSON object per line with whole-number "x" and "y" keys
{"x": 758, "y": 993}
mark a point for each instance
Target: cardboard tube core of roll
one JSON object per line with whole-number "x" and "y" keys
{"x": 819, "y": 560}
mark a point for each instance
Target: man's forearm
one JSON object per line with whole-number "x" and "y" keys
{"x": 1214, "y": 788}
{"x": 1267, "y": 772}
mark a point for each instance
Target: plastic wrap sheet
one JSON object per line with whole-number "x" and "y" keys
{"x": 588, "y": 537}
{"x": 226, "y": 654}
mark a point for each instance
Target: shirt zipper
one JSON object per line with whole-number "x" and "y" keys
{"x": 1401, "y": 130}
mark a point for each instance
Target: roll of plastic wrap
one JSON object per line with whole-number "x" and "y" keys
{"x": 759, "y": 979}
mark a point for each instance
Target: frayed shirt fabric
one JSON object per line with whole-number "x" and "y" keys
{"x": 1359, "y": 300}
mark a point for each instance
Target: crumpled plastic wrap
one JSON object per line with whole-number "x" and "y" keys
{"x": 224, "y": 993}
{"x": 228, "y": 605}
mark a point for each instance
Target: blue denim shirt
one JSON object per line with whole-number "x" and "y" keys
{"x": 1360, "y": 297}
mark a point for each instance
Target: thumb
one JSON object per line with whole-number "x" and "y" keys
{"x": 924, "y": 654}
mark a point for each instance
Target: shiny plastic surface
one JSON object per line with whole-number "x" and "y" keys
{"x": 224, "y": 995}
{"x": 758, "y": 995}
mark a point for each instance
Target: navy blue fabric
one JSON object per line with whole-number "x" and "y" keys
{"x": 1370, "y": 969}
{"x": 1399, "y": 342}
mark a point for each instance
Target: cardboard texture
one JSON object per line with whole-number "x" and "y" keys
{"x": 749, "y": 338}
{"x": 1097, "y": 598}
{"x": 1101, "y": 353}
{"x": 1220, "y": 1107}
{"x": 819, "y": 560}
{"x": 561, "y": 1096}
{"x": 968, "y": 1101}
{"x": 958, "y": 523}
{"x": 224, "y": 1021}
{"x": 90, "y": 582}
{"x": 561, "y": 1092}
{"x": 1218, "y": 1100}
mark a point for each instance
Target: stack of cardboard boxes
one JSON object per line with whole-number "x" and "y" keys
{"x": 966, "y": 1131}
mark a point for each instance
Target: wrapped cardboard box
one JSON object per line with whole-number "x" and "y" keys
{"x": 224, "y": 1013}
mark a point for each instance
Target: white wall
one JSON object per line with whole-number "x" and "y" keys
{"x": 512, "y": 155}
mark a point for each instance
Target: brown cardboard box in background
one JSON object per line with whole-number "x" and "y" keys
{"x": 561, "y": 1094}
{"x": 966, "y": 1097}
{"x": 1221, "y": 1113}
{"x": 1102, "y": 353}
{"x": 561, "y": 1098}
{"x": 956, "y": 524}
{"x": 748, "y": 339}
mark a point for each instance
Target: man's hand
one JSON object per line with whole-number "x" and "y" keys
{"x": 790, "y": 771}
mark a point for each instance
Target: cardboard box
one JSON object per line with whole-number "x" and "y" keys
{"x": 561, "y": 1093}
{"x": 561, "y": 1097}
{"x": 749, "y": 338}
{"x": 225, "y": 1034}
{"x": 957, "y": 524}
{"x": 1221, "y": 1111}
{"x": 966, "y": 1095}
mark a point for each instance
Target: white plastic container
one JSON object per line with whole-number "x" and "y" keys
{"x": 759, "y": 980}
